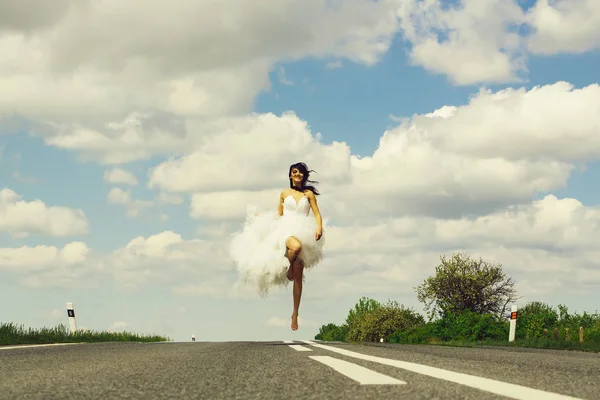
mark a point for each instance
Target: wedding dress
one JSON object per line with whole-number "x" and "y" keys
{"x": 259, "y": 249}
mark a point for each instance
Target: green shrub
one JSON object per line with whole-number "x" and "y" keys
{"x": 383, "y": 322}
{"x": 421, "y": 334}
{"x": 332, "y": 333}
{"x": 533, "y": 318}
{"x": 591, "y": 334}
{"x": 470, "y": 326}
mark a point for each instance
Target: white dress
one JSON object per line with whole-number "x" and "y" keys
{"x": 259, "y": 249}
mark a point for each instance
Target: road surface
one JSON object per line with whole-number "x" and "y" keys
{"x": 297, "y": 370}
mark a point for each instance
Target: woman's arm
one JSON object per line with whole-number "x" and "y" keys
{"x": 280, "y": 206}
{"x": 315, "y": 208}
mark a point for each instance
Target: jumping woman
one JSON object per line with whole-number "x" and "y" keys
{"x": 275, "y": 249}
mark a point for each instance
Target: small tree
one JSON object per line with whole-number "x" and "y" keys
{"x": 364, "y": 305}
{"x": 332, "y": 333}
{"x": 534, "y": 317}
{"x": 462, "y": 284}
{"x": 382, "y": 322}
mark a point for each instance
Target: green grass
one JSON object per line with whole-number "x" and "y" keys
{"x": 535, "y": 343}
{"x": 11, "y": 334}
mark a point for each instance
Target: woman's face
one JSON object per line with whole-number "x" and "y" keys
{"x": 296, "y": 176}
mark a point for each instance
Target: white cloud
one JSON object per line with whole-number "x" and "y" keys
{"x": 135, "y": 138}
{"x": 222, "y": 161}
{"x": 165, "y": 257}
{"x": 564, "y": 26}
{"x": 469, "y": 42}
{"x": 133, "y": 207}
{"x": 118, "y": 175}
{"x": 555, "y": 121}
{"x": 44, "y": 266}
{"x": 28, "y": 258}
{"x": 21, "y": 218}
{"x": 283, "y": 78}
{"x": 475, "y": 41}
{"x": 224, "y": 57}
{"x": 545, "y": 245}
{"x": 457, "y": 160}
{"x": 166, "y": 198}
{"x": 231, "y": 205}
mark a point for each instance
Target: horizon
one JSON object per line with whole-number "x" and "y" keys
{"x": 433, "y": 128}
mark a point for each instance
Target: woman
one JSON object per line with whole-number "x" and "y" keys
{"x": 275, "y": 249}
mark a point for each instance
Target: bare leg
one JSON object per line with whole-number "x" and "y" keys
{"x": 293, "y": 250}
{"x": 298, "y": 273}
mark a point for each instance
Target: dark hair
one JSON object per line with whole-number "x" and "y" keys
{"x": 305, "y": 172}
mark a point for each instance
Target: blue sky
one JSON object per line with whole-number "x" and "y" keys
{"x": 352, "y": 104}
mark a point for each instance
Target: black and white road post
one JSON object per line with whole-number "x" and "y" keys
{"x": 71, "y": 314}
{"x": 513, "y": 323}
{"x": 193, "y": 338}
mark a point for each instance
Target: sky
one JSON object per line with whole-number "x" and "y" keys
{"x": 133, "y": 135}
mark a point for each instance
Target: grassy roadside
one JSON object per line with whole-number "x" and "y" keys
{"x": 11, "y": 334}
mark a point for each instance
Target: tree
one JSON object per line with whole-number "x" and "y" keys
{"x": 534, "y": 317}
{"x": 382, "y": 322}
{"x": 364, "y": 305}
{"x": 332, "y": 333}
{"x": 462, "y": 284}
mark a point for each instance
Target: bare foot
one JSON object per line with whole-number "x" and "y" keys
{"x": 294, "y": 322}
{"x": 290, "y": 273}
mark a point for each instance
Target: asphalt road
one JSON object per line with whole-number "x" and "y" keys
{"x": 299, "y": 370}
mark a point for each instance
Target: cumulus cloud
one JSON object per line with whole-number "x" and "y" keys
{"x": 132, "y": 206}
{"x": 472, "y": 41}
{"x": 21, "y": 218}
{"x": 564, "y": 26}
{"x": 545, "y": 245}
{"x": 118, "y": 175}
{"x": 224, "y": 55}
{"x": 165, "y": 257}
{"x": 468, "y": 159}
{"x": 230, "y": 205}
{"x": 222, "y": 161}
{"x": 554, "y": 121}
{"x": 45, "y": 266}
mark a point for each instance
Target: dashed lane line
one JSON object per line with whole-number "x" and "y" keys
{"x": 362, "y": 375}
{"x": 298, "y": 347}
{"x": 509, "y": 390}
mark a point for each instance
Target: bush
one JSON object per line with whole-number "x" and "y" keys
{"x": 382, "y": 322}
{"x": 332, "y": 333}
{"x": 592, "y": 334}
{"x": 470, "y": 326}
{"x": 420, "y": 334}
{"x": 533, "y": 318}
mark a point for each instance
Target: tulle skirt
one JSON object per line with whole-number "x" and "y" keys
{"x": 259, "y": 249}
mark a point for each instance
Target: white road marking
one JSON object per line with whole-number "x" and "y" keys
{"x": 288, "y": 341}
{"x": 298, "y": 347}
{"x": 360, "y": 374}
{"x": 25, "y": 346}
{"x": 510, "y": 390}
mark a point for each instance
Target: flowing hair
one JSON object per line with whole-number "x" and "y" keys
{"x": 305, "y": 174}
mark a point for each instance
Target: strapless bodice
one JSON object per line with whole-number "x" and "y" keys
{"x": 293, "y": 207}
